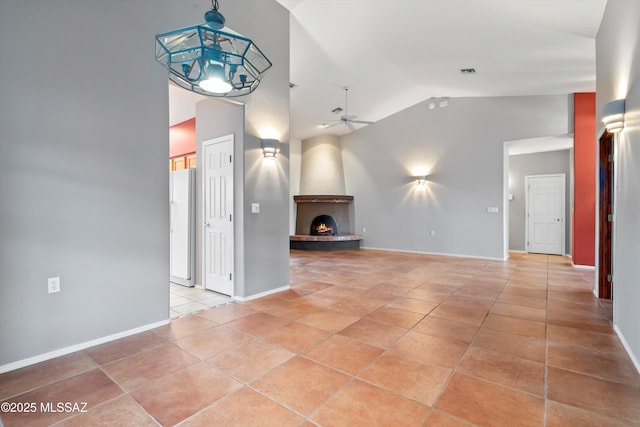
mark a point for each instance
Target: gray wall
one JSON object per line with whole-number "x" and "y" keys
{"x": 83, "y": 172}
{"x": 618, "y": 76}
{"x": 521, "y": 165}
{"x": 83, "y": 165}
{"x": 462, "y": 148}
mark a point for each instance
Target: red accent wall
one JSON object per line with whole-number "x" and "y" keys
{"x": 182, "y": 138}
{"x": 584, "y": 164}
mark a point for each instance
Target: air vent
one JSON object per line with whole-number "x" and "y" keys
{"x": 468, "y": 70}
{"x": 292, "y": 85}
{"x": 337, "y": 110}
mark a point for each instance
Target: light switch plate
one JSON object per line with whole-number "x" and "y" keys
{"x": 493, "y": 209}
{"x": 255, "y": 207}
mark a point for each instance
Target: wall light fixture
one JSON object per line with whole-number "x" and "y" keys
{"x": 613, "y": 115}
{"x": 270, "y": 148}
{"x": 421, "y": 180}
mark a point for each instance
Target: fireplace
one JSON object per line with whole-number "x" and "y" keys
{"x": 324, "y": 225}
{"x": 323, "y": 222}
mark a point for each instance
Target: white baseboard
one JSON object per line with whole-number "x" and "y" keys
{"x": 180, "y": 281}
{"x": 432, "y": 253}
{"x": 627, "y": 347}
{"x": 262, "y": 294}
{"x": 583, "y": 267}
{"x": 77, "y": 347}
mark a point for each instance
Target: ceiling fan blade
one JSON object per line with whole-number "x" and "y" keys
{"x": 332, "y": 125}
{"x": 363, "y": 122}
{"x": 350, "y": 125}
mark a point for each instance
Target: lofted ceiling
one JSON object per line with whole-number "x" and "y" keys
{"x": 393, "y": 54}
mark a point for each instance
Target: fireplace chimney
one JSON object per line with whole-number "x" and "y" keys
{"x": 321, "y": 166}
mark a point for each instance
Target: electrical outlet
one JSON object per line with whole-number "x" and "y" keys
{"x": 255, "y": 207}
{"x": 432, "y": 233}
{"x": 364, "y": 229}
{"x": 53, "y": 284}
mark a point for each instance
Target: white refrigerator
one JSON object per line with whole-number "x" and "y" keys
{"x": 182, "y": 226}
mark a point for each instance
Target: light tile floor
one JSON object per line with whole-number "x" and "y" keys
{"x": 363, "y": 338}
{"x": 186, "y": 300}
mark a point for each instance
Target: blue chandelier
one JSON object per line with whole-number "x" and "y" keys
{"x": 206, "y": 60}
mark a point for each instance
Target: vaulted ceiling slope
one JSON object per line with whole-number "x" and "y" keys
{"x": 393, "y": 54}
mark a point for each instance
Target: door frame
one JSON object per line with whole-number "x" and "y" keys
{"x": 563, "y": 218}
{"x": 203, "y": 195}
{"x": 606, "y": 208}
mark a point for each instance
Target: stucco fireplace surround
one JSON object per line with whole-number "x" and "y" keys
{"x": 323, "y": 222}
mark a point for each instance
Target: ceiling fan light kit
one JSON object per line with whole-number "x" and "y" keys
{"x": 211, "y": 59}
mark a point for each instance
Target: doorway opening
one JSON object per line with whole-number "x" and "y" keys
{"x": 186, "y": 296}
{"x": 550, "y": 155}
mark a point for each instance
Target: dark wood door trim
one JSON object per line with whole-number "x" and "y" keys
{"x": 605, "y": 192}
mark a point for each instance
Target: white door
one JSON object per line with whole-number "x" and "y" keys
{"x": 545, "y": 213}
{"x": 218, "y": 214}
{"x": 181, "y": 215}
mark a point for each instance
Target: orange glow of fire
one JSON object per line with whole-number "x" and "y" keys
{"x": 322, "y": 228}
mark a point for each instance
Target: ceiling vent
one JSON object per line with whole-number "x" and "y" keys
{"x": 468, "y": 70}
{"x": 337, "y": 110}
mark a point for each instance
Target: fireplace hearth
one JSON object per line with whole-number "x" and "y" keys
{"x": 323, "y": 222}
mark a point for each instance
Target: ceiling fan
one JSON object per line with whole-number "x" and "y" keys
{"x": 345, "y": 119}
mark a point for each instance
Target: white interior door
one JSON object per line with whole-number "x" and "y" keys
{"x": 218, "y": 214}
{"x": 545, "y": 213}
{"x": 181, "y": 225}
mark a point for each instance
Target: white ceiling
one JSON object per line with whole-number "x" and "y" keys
{"x": 393, "y": 54}
{"x": 536, "y": 145}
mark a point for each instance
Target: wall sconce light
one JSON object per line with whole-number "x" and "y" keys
{"x": 421, "y": 180}
{"x": 613, "y": 115}
{"x": 270, "y": 148}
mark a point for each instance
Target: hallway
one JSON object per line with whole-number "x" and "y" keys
{"x": 362, "y": 338}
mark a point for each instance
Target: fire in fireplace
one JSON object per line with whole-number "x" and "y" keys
{"x": 324, "y": 225}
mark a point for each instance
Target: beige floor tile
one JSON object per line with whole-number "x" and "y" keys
{"x": 251, "y": 359}
{"x": 44, "y": 373}
{"x": 177, "y": 396}
{"x": 244, "y": 408}
{"x": 610, "y": 399}
{"x": 361, "y": 404}
{"x": 344, "y": 354}
{"x": 301, "y": 384}
{"x": 362, "y": 338}
{"x": 408, "y": 377}
{"x": 486, "y": 403}
{"x": 510, "y": 371}
{"x": 430, "y": 349}
{"x": 445, "y": 328}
